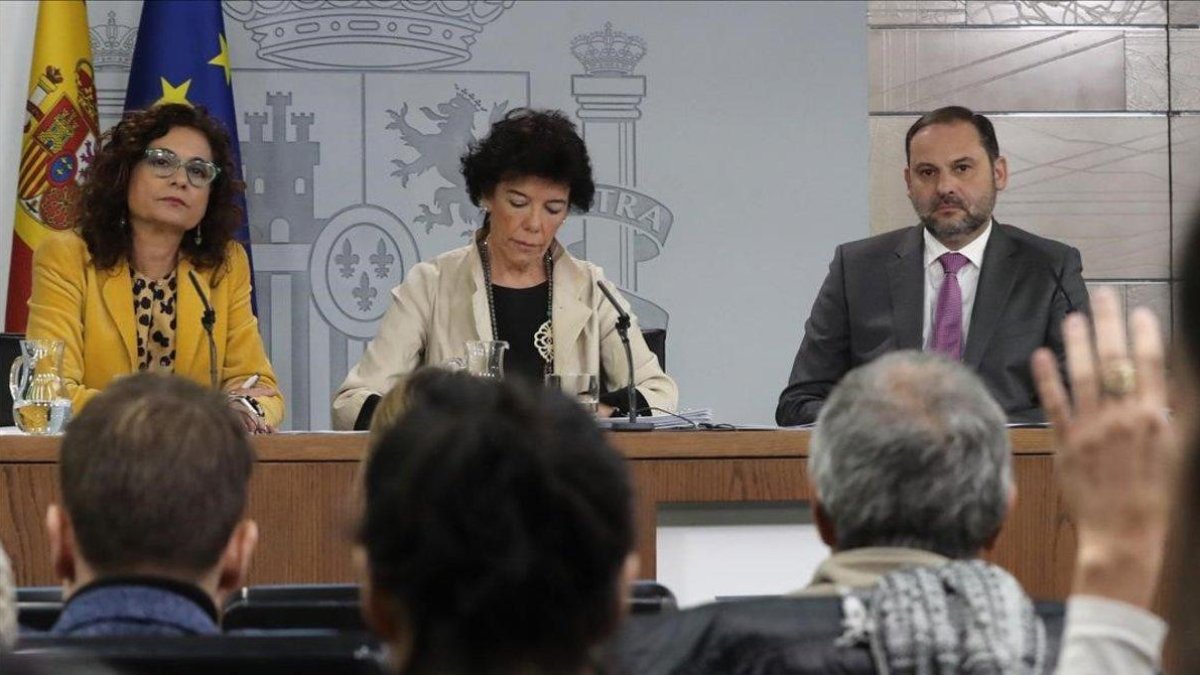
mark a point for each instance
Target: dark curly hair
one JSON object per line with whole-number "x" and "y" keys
{"x": 498, "y": 519}
{"x": 526, "y": 142}
{"x": 104, "y": 201}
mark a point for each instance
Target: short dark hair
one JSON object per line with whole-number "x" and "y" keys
{"x": 526, "y": 142}
{"x": 498, "y": 519}
{"x": 949, "y": 115}
{"x": 104, "y": 199}
{"x": 155, "y": 470}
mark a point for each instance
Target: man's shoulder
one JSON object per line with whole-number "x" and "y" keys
{"x": 880, "y": 244}
{"x": 1029, "y": 242}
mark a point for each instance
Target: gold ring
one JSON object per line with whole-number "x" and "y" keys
{"x": 1118, "y": 378}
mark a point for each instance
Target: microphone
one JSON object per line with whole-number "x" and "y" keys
{"x": 207, "y": 320}
{"x": 623, "y": 323}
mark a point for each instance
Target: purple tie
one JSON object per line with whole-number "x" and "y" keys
{"x": 947, "y": 322}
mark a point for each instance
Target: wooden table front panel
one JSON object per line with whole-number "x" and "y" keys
{"x": 301, "y": 498}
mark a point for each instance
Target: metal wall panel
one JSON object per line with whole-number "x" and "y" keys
{"x": 1017, "y": 69}
{"x": 1185, "y": 69}
{"x": 1183, "y": 12}
{"x": 914, "y": 12}
{"x": 1097, "y": 182}
{"x": 1078, "y": 13}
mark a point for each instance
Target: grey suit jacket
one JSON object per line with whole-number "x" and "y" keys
{"x": 871, "y": 303}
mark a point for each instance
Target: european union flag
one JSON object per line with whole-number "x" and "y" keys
{"x": 181, "y": 56}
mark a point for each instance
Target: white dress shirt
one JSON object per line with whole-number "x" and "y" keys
{"x": 968, "y": 280}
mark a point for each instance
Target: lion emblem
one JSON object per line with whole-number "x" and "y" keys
{"x": 440, "y": 151}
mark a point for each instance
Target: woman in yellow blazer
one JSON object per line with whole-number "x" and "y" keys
{"x": 158, "y": 206}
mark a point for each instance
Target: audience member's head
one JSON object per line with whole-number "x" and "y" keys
{"x": 408, "y": 387}
{"x": 8, "y": 604}
{"x": 154, "y": 475}
{"x": 911, "y": 451}
{"x": 498, "y": 531}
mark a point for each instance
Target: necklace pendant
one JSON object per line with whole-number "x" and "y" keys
{"x": 543, "y": 341}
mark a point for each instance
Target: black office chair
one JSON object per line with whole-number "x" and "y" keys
{"x": 10, "y": 349}
{"x": 656, "y": 340}
{"x": 38, "y": 607}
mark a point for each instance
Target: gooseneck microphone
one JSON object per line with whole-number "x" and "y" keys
{"x": 623, "y": 323}
{"x": 207, "y": 320}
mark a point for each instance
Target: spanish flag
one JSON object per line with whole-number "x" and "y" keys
{"x": 59, "y": 141}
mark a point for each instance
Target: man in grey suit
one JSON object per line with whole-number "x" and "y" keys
{"x": 959, "y": 283}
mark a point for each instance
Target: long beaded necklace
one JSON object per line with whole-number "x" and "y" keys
{"x": 543, "y": 339}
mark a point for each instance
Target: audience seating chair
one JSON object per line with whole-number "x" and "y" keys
{"x": 315, "y": 654}
{"x": 38, "y": 607}
{"x": 300, "y": 606}
{"x": 335, "y": 607}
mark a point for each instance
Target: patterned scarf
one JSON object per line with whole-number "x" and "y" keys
{"x": 967, "y": 616}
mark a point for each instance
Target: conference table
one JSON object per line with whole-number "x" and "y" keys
{"x": 301, "y": 497}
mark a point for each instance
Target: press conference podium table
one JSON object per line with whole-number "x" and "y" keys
{"x": 301, "y": 489}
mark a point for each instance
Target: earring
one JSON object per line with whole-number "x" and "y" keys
{"x": 199, "y": 236}
{"x": 123, "y": 223}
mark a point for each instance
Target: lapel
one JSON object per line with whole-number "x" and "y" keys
{"x": 906, "y": 278}
{"x": 479, "y": 298}
{"x": 996, "y": 279}
{"x": 117, "y": 293}
{"x": 191, "y": 344}
{"x": 571, "y": 313}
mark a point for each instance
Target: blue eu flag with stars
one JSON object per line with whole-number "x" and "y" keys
{"x": 181, "y": 56}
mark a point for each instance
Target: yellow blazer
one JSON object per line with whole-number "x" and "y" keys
{"x": 91, "y": 311}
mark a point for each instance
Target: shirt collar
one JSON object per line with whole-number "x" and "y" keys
{"x": 973, "y": 251}
{"x": 190, "y": 591}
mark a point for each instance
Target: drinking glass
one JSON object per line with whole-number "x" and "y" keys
{"x": 485, "y": 358}
{"x": 585, "y": 387}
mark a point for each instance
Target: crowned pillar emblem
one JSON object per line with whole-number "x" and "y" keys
{"x": 625, "y": 227}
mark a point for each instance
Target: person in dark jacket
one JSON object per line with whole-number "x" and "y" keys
{"x": 151, "y": 536}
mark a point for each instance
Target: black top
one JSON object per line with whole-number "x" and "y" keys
{"x": 519, "y": 314}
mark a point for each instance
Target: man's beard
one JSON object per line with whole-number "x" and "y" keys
{"x": 969, "y": 223}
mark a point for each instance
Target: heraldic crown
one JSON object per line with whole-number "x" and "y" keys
{"x": 391, "y": 34}
{"x": 608, "y": 51}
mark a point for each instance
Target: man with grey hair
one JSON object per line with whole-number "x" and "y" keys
{"x": 911, "y": 470}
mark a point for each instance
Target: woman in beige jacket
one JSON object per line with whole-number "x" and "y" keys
{"x": 513, "y": 282}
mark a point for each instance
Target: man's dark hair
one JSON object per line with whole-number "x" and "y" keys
{"x": 498, "y": 519}
{"x": 154, "y": 472}
{"x": 541, "y": 143}
{"x": 949, "y": 115}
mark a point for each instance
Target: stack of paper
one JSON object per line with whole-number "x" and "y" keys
{"x": 684, "y": 419}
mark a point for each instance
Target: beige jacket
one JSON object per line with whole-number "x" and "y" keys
{"x": 443, "y": 303}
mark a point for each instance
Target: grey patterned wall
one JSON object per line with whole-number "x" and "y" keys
{"x": 1096, "y": 105}
{"x": 701, "y": 119}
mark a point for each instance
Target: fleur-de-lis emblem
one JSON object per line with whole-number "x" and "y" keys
{"x": 347, "y": 260}
{"x": 382, "y": 260}
{"x": 364, "y": 293}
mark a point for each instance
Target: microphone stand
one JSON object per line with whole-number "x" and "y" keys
{"x": 623, "y": 323}
{"x": 207, "y": 320}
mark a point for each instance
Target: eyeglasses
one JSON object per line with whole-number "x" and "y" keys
{"x": 164, "y": 163}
